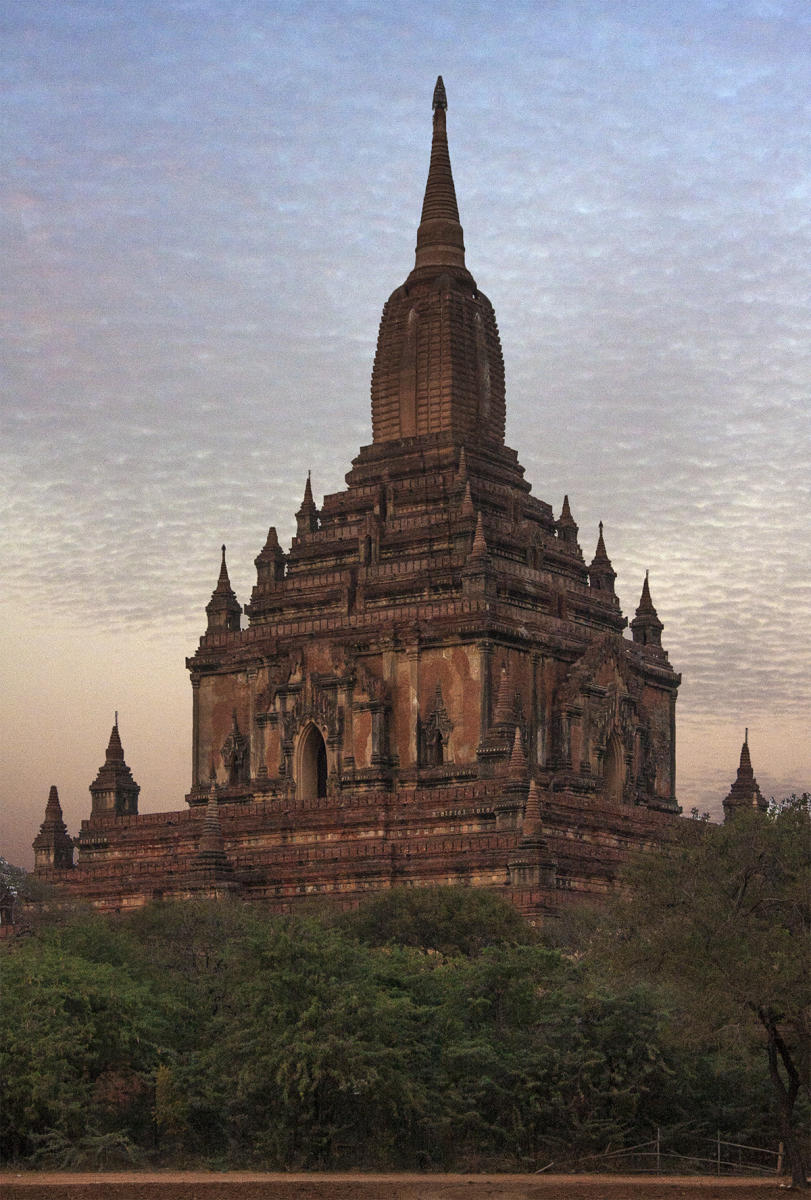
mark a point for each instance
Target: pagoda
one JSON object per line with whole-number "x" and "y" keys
{"x": 745, "y": 791}
{"x": 430, "y": 685}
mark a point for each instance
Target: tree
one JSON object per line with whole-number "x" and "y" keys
{"x": 315, "y": 1058}
{"x": 447, "y": 920}
{"x": 721, "y": 916}
{"x": 79, "y": 1040}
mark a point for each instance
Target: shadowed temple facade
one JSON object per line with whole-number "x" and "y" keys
{"x": 432, "y": 685}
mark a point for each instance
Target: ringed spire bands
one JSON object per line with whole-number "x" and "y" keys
{"x": 440, "y": 241}
{"x": 438, "y": 367}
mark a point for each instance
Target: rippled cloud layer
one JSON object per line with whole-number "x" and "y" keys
{"x": 204, "y": 206}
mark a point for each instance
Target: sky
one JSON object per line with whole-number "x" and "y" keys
{"x": 204, "y": 205}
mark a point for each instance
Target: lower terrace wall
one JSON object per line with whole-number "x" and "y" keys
{"x": 286, "y": 851}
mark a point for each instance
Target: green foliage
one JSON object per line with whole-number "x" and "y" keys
{"x": 720, "y": 919}
{"x": 428, "y": 1029}
{"x": 90, "y": 1151}
{"x": 449, "y": 920}
{"x": 79, "y": 1039}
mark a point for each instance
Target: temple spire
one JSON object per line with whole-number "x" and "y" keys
{"x": 438, "y": 369}
{"x": 114, "y": 791}
{"x": 646, "y": 628}
{"x": 478, "y": 551}
{"x": 601, "y": 573}
{"x": 567, "y": 528}
{"x": 504, "y": 711}
{"x": 532, "y": 827}
{"x": 645, "y": 602}
{"x": 518, "y": 760}
{"x": 531, "y": 864}
{"x": 53, "y": 849}
{"x": 211, "y": 854}
{"x": 307, "y": 515}
{"x": 745, "y": 792}
{"x": 223, "y": 582}
{"x": 269, "y": 563}
{"x": 440, "y": 241}
{"x": 600, "y": 552}
{"x": 115, "y": 751}
{"x": 223, "y": 609}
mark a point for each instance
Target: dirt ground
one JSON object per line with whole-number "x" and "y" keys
{"x": 177, "y": 1185}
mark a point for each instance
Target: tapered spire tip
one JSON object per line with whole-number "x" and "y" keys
{"x": 440, "y": 241}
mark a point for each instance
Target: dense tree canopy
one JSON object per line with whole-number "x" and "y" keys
{"x": 722, "y": 917}
{"x": 428, "y": 1029}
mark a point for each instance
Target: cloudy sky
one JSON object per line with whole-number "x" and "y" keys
{"x": 204, "y": 205}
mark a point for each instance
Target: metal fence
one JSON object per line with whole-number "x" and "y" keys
{"x": 682, "y": 1153}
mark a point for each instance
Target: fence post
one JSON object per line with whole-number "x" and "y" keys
{"x": 658, "y": 1151}
{"x": 718, "y": 1152}
{"x": 780, "y": 1159}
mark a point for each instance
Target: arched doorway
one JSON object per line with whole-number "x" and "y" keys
{"x": 312, "y": 768}
{"x": 614, "y": 770}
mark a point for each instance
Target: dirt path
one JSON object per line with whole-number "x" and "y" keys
{"x": 243, "y": 1185}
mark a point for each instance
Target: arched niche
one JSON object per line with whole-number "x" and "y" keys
{"x": 311, "y": 775}
{"x": 614, "y": 770}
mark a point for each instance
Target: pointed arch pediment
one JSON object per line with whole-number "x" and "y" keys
{"x": 603, "y": 665}
{"x": 433, "y": 733}
{"x": 601, "y": 697}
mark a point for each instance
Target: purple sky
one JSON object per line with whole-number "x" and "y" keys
{"x": 204, "y": 205}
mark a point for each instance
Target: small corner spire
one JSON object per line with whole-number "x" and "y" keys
{"x": 114, "y": 790}
{"x": 307, "y": 515}
{"x": 567, "y": 528}
{"x": 518, "y": 759}
{"x": 270, "y": 564}
{"x": 467, "y": 509}
{"x": 601, "y": 573}
{"x": 223, "y": 582}
{"x": 645, "y": 601}
{"x": 532, "y": 826}
{"x": 440, "y": 99}
{"x": 115, "y": 751}
{"x": 600, "y": 552}
{"x": 646, "y": 628}
{"x": 53, "y": 849}
{"x": 745, "y": 792}
{"x": 746, "y": 759}
{"x": 223, "y": 610}
{"x": 478, "y": 551}
{"x": 211, "y": 854}
{"x": 53, "y": 809}
{"x": 504, "y": 711}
